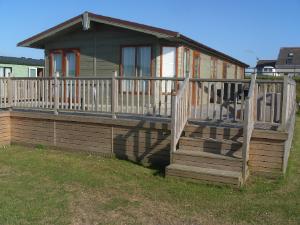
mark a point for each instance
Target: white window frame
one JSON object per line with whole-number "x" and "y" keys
{"x": 32, "y": 68}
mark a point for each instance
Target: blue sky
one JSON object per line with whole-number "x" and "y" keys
{"x": 242, "y": 29}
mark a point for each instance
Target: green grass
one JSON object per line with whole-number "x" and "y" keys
{"x": 43, "y": 186}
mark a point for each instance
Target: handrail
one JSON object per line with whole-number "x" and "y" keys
{"x": 180, "y": 113}
{"x": 220, "y": 80}
{"x": 250, "y": 115}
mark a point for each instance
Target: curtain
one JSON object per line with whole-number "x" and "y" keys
{"x": 143, "y": 61}
{"x": 71, "y": 64}
{"x": 57, "y": 64}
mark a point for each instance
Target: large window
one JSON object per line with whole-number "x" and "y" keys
{"x": 136, "y": 61}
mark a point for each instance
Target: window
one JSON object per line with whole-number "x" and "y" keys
{"x": 70, "y": 64}
{"x": 186, "y": 62}
{"x": 196, "y": 65}
{"x": 5, "y": 71}
{"x": 32, "y": 72}
{"x": 289, "y": 59}
{"x": 65, "y": 62}
{"x": 136, "y": 61}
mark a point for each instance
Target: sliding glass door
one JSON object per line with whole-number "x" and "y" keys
{"x": 136, "y": 62}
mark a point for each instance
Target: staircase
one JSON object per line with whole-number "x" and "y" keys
{"x": 211, "y": 154}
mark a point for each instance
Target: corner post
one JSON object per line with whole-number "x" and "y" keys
{"x": 284, "y": 102}
{"x": 113, "y": 94}
{"x": 56, "y": 93}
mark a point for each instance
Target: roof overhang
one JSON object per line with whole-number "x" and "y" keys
{"x": 85, "y": 19}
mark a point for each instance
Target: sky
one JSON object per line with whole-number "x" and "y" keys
{"x": 243, "y": 29}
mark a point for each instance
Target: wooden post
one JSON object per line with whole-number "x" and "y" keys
{"x": 284, "y": 103}
{"x": 9, "y": 92}
{"x": 113, "y": 95}
{"x": 56, "y": 93}
{"x": 173, "y": 125}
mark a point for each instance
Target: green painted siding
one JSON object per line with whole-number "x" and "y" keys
{"x": 19, "y": 70}
{"x": 100, "y": 48}
{"x": 101, "y": 45}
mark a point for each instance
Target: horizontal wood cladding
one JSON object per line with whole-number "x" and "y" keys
{"x": 266, "y": 153}
{"x": 145, "y": 143}
{"x": 4, "y": 129}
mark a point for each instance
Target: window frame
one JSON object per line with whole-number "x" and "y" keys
{"x": 32, "y": 68}
{"x": 7, "y": 67}
{"x": 135, "y": 65}
{"x": 64, "y": 52}
{"x": 186, "y": 62}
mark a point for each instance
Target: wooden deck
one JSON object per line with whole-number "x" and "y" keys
{"x": 217, "y": 131}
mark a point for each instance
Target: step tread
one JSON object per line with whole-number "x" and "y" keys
{"x": 206, "y": 154}
{"x": 227, "y": 141}
{"x": 214, "y": 125}
{"x": 208, "y": 171}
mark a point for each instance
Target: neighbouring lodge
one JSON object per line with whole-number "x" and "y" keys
{"x": 21, "y": 67}
{"x": 152, "y": 96}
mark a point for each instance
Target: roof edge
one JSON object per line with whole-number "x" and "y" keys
{"x": 211, "y": 50}
{"x": 26, "y": 42}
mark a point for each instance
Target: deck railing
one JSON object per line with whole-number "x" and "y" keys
{"x": 4, "y": 92}
{"x": 209, "y": 99}
{"x": 180, "y": 112}
{"x": 269, "y": 101}
{"x": 218, "y": 99}
{"x": 250, "y": 117}
{"x": 145, "y": 96}
{"x": 111, "y": 95}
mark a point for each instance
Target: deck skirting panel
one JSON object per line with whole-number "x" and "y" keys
{"x": 142, "y": 142}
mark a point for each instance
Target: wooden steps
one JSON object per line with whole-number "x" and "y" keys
{"x": 207, "y": 175}
{"x": 214, "y": 132}
{"x": 207, "y": 160}
{"x": 209, "y": 154}
{"x": 223, "y": 147}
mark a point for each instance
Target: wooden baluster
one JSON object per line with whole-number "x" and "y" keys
{"x": 107, "y": 95}
{"x": 228, "y": 100}
{"x": 97, "y": 95}
{"x": 131, "y": 95}
{"x": 272, "y": 107}
{"x": 221, "y": 101}
{"x": 264, "y": 103}
{"x": 138, "y": 96}
{"x": 215, "y": 101}
{"x": 235, "y": 100}
{"x": 143, "y": 96}
{"x": 149, "y": 96}
{"x": 208, "y": 99}
{"x": 83, "y": 95}
{"x": 242, "y": 101}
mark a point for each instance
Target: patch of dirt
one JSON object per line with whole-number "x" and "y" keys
{"x": 91, "y": 207}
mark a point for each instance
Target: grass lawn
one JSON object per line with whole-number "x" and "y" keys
{"x": 43, "y": 186}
